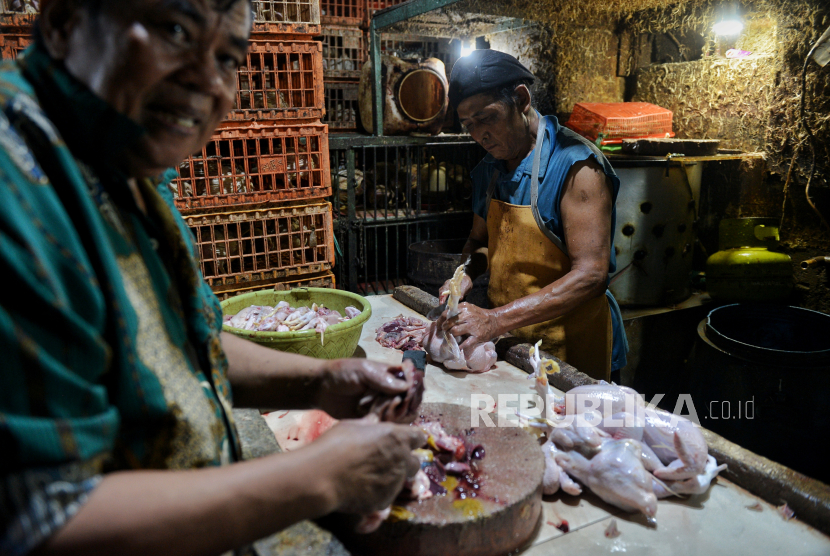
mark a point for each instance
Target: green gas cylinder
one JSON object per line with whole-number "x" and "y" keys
{"x": 745, "y": 269}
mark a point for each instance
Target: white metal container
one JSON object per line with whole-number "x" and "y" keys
{"x": 655, "y": 235}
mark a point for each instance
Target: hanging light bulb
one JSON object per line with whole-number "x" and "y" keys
{"x": 467, "y": 47}
{"x": 730, "y": 23}
{"x": 728, "y": 28}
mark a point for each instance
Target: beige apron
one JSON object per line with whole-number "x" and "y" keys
{"x": 523, "y": 259}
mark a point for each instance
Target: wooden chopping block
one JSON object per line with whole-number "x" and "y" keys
{"x": 502, "y": 518}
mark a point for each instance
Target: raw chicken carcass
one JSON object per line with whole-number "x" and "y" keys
{"x": 621, "y": 456}
{"x": 400, "y": 408}
{"x": 677, "y": 442}
{"x": 615, "y": 474}
{"x": 696, "y": 485}
{"x": 608, "y": 399}
{"x": 443, "y": 347}
{"x": 554, "y": 477}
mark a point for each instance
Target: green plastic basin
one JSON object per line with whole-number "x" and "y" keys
{"x": 340, "y": 340}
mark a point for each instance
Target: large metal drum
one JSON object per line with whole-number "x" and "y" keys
{"x": 654, "y": 235}
{"x": 759, "y": 375}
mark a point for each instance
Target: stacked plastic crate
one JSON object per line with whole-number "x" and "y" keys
{"x": 17, "y": 19}
{"x": 344, "y": 53}
{"x": 255, "y": 197}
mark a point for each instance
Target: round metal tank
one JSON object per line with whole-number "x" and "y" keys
{"x": 759, "y": 375}
{"x": 415, "y": 96}
{"x": 431, "y": 263}
{"x": 654, "y": 235}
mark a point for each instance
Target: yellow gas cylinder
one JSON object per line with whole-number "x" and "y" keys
{"x": 745, "y": 269}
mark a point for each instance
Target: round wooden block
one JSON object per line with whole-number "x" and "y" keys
{"x": 503, "y": 517}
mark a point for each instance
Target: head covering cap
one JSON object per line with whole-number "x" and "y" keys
{"x": 484, "y": 70}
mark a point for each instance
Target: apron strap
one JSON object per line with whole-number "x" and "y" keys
{"x": 490, "y": 190}
{"x": 534, "y": 188}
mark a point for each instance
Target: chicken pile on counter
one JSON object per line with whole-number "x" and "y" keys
{"x": 443, "y": 347}
{"x": 284, "y": 318}
{"x": 627, "y": 453}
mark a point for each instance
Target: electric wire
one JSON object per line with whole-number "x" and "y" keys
{"x": 809, "y": 133}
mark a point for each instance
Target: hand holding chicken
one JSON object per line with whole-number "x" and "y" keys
{"x": 442, "y": 344}
{"x": 365, "y": 463}
{"x": 355, "y": 387}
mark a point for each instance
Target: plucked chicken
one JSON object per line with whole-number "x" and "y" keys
{"x": 443, "y": 347}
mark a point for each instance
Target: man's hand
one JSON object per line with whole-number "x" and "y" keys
{"x": 466, "y": 286}
{"x": 480, "y": 324}
{"x": 365, "y": 464}
{"x": 352, "y": 388}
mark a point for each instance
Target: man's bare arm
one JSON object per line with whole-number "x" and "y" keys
{"x": 586, "y": 214}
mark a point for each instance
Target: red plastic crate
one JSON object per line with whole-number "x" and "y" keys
{"x": 12, "y": 44}
{"x": 342, "y": 12}
{"x": 611, "y": 122}
{"x": 286, "y": 16}
{"x": 17, "y": 13}
{"x": 264, "y": 244}
{"x": 257, "y": 164}
{"x": 341, "y": 105}
{"x": 281, "y": 80}
{"x": 344, "y": 52}
{"x": 324, "y": 280}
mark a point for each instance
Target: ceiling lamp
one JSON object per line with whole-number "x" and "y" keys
{"x": 467, "y": 47}
{"x": 730, "y": 23}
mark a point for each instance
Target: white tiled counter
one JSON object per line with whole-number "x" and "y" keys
{"x": 718, "y": 522}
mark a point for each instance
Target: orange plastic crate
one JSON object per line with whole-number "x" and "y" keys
{"x": 324, "y": 280}
{"x": 264, "y": 244}
{"x": 344, "y": 52}
{"x": 611, "y": 122}
{"x": 12, "y": 44}
{"x": 257, "y": 164}
{"x": 286, "y": 16}
{"x": 342, "y": 12}
{"x": 280, "y": 81}
{"x": 18, "y": 13}
{"x": 341, "y": 105}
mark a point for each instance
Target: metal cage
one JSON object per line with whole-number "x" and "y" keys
{"x": 390, "y": 195}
